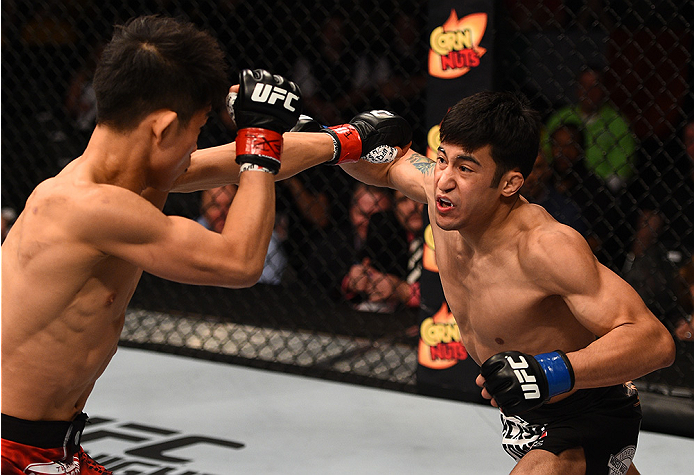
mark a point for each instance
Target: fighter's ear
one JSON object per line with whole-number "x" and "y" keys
{"x": 164, "y": 123}
{"x": 511, "y": 182}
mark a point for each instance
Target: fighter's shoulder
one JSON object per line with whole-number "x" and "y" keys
{"x": 556, "y": 252}
{"x": 76, "y": 204}
{"x": 80, "y": 191}
{"x": 552, "y": 238}
{"x": 51, "y": 215}
{"x": 50, "y": 197}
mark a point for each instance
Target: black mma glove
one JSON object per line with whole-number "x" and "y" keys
{"x": 371, "y": 136}
{"x": 520, "y": 382}
{"x": 265, "y": 107}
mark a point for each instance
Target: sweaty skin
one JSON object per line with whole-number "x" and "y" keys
{"x": 516, "y": 279}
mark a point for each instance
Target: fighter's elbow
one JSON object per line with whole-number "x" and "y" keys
{"x": 238, "y": 274}
{"x": 666, "y": 349}
{"x": 247, "y": 277}
{"x": 253, "y": 276}
{"x": 671, "y": 351}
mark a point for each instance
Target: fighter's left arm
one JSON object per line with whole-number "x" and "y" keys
{"x": 631, "y": 341}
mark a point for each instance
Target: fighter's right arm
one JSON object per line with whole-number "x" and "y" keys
{"x": 562, "y": 263}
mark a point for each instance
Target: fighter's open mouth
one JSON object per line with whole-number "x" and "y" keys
{"x": 444, "y": 203}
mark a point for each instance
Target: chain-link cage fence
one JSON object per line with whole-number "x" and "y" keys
{"x": 612, "y": 79}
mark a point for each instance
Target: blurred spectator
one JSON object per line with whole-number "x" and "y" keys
{"x": 664, "y": 193}
{"x": 539, "y": 189}
{"x": 335, "y": 80}
{"x": 80, "y": 100}
{"x": 344, "y": 245}
{"x": 664, "y": 223}
{"x": 598, "y": 206}
{"x": 50, "y": 34}
{"x": 610, "y": 144}
{"x": 391, "y": 263}
{"x": 314, "y": 203}
{"x": 214, "y": 207}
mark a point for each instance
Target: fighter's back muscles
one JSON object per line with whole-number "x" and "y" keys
{"x": 62, "y": 308}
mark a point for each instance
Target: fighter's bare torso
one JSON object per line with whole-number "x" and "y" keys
{"x": 63, "y": 302}
{"x": 497, "y": 302}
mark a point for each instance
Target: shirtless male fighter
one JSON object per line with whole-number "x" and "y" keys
{"x": 72, "y": 260}
{"x": 557, "y": 335}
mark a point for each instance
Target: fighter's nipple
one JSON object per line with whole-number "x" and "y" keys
{"x": 499, "y": 341}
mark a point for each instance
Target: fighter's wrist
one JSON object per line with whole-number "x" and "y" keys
{"x": 347, "y": 144}
{"x": 254, "y": 167}
{"x": 558, "y": 371}
{"x": 259, "y": 141}
{"x": 336, "y": 147}
{"x": 262, "y": 147}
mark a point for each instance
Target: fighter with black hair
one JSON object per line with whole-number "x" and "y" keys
{"x": 558, "y": 335}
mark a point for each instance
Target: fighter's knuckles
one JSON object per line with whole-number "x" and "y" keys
{"x": 378, "y": 135}
{"x": 266, "y": 106}
{"x": 381, "y": 127}
{"x": 265, "y": 100}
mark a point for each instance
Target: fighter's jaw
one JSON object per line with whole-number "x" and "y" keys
{"x": 445, "y": 224}
{"x": 444, "y": 213}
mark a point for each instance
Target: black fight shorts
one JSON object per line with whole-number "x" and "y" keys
{"x": 605, "y": 422}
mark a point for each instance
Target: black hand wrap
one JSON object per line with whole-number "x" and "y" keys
{"x": 366, "y": 132}
{"x": 520, "y": 382}
{"x": 266, "y": 106}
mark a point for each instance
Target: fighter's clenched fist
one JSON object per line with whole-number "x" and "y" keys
{"x": 520, "y": 382}
{"x": 265, "y": 107}
{"x": 371, "y": 136}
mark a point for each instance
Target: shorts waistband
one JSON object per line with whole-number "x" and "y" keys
{"x": 44, "y": 434}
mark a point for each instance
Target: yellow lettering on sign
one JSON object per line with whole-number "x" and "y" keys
{"x": 443, "y": 42}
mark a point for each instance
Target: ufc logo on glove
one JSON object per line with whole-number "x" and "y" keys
{"x": 530, "y": 391}
{"x": 520, "y": 382}
{"x": 270, "y": 94}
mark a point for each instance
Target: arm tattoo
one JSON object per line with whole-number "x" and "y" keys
{"x": 421, "y": 163}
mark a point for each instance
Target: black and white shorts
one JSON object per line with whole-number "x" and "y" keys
{"x": 604, "y": 421}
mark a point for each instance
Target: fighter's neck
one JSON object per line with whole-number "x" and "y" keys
{"x": 117, "y": 159}
{"x": 489, "y": 235}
